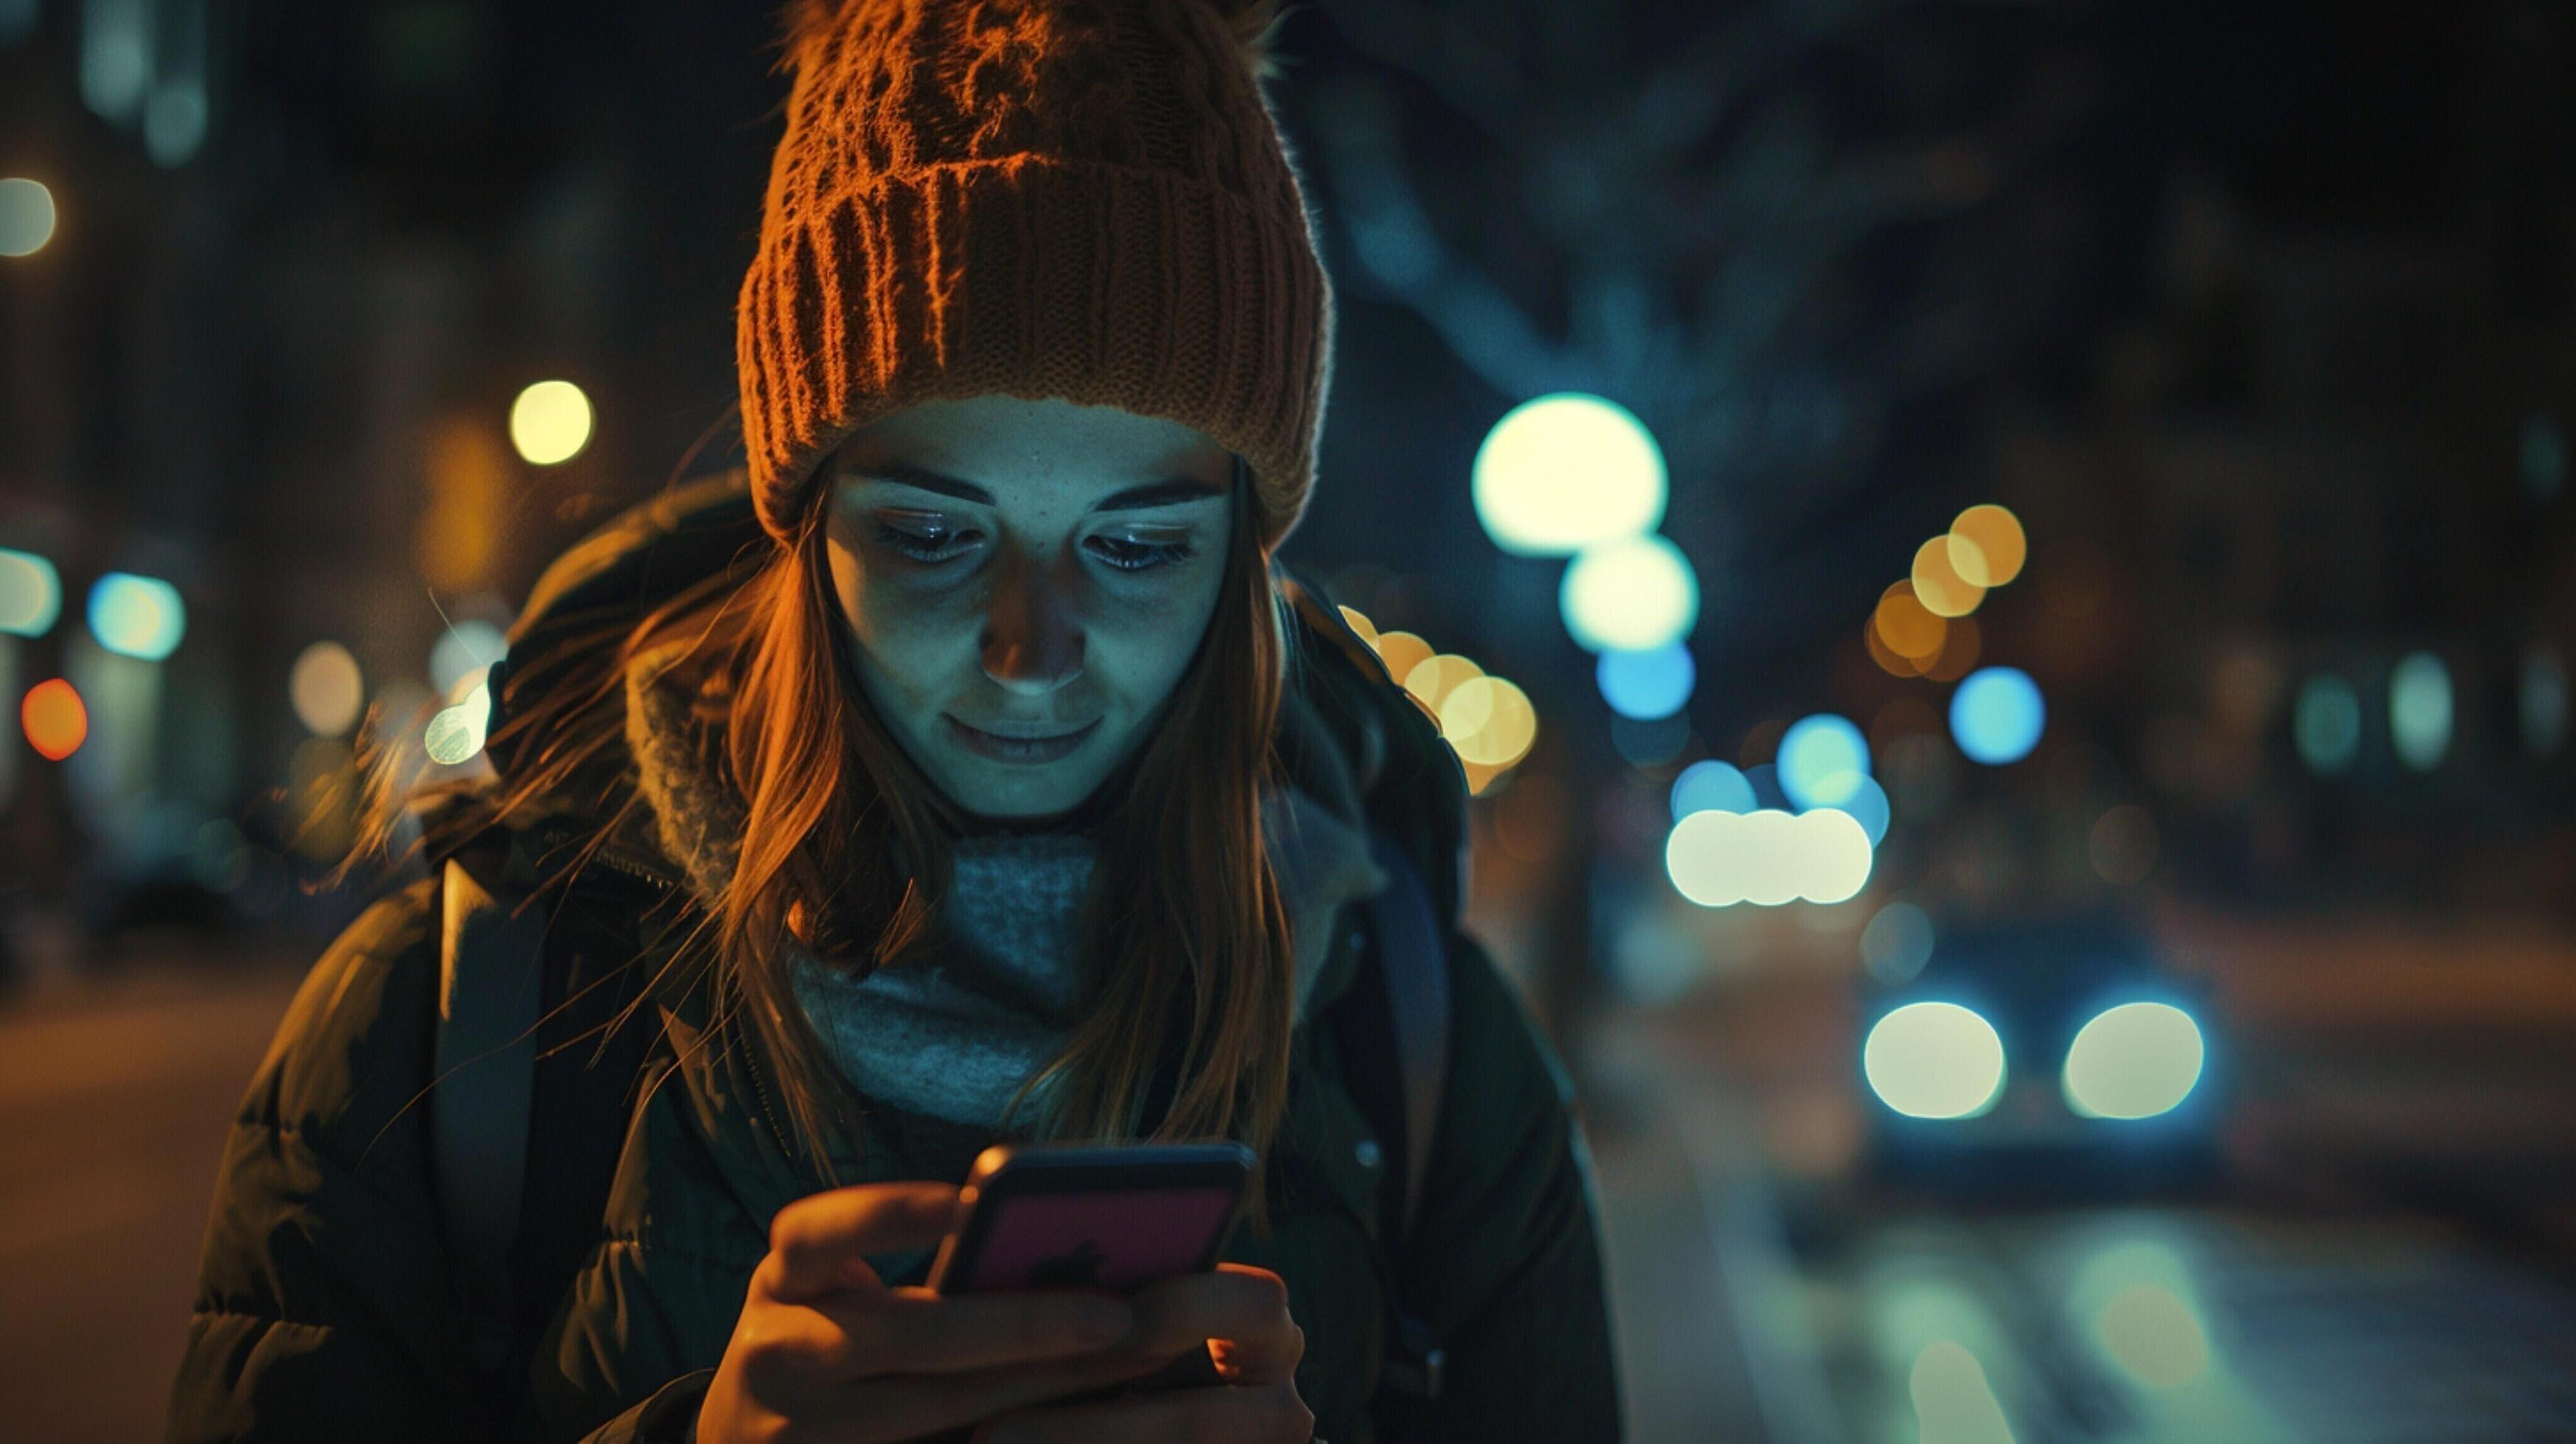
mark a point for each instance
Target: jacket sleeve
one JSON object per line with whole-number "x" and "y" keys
{"x": 1505, "y": 1260}
{"x": 323, "y": 1307}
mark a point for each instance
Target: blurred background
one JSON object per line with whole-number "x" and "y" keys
{"x": 2003, "y": 573}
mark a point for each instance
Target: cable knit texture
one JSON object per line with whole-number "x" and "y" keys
{"x": 1085, "y": 199}
{"x": 953, "y": 1033}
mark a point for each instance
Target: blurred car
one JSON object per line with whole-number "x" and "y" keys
{"x": 2042, "y": 1053}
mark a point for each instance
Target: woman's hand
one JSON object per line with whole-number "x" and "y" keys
{"x": 824, "y": 1350}
{"x": 1239, "y": 1317}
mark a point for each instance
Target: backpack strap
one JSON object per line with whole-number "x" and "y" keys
{"x": 490, "y": 983}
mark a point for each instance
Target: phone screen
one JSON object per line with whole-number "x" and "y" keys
{"x": 1117, "y": 1240}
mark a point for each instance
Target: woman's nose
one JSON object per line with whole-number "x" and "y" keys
{"x": 1032, "y": 641}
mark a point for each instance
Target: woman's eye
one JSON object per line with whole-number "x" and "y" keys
{"x": 930, "y": 547}
{"x": 1135, "y": 556}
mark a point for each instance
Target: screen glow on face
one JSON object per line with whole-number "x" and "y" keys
{"x": 1034, "y": 571}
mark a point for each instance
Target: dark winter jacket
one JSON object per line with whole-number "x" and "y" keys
{"x": 326, "y": 1307}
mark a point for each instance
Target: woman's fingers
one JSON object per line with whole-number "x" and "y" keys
{"x": 818, "y": 1244}
{"x": 1272, "y": 1414}
{"x": 916, "y": 1331}
{"x": 1243, "y": 1307}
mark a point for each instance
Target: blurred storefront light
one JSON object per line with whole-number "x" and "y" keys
{"x": 1823, "y": 761}
{"x": 31, "y": 594}
{"x": 2134, "y": 1061}
{"x": 550, "y": 423}
{"x": 2327, "y": 724}
{"x": 327, "y": 689}
{"x": 1953, "y": 1402}
{"x": 1987, "y": 546}
{"x": 1631, "y": 595}
{"x": 1711, "y": 786}
{"x": 140, "y": 617}
{"x": 54, "y": 718}
{"x": 1650, "y": 684}
{"x": 1938, "y": 585}
{"x": 26, "y": 216}
{"x": 1767, "y": 857}
{"x": 2419, "y": 711}
{"x": 1997, "y": 715}
{"x": 1567, "y": 472}
{"x": 1868, "y": 806}
{"x": 1934, "y": 1060}
{"x": 115, "y": 56}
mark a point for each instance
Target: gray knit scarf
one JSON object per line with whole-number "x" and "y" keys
{"x": 955, "y": 1033}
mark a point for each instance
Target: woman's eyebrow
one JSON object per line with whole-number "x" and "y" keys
{"x": 1135, "y": 498}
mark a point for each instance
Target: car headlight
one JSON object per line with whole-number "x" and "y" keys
{"x": 2134, "y": 1061}
{"x": 1934, "y": 1060}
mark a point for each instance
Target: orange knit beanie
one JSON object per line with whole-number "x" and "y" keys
{"x": 1085, "y": 199}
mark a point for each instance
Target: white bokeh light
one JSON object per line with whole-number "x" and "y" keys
{"x": 1566, "y": 472}
{"x": 1633, "y": 595}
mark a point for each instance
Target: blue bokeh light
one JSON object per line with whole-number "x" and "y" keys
{"x": 1996, "y": 716}
{"x": 1823, "y": 761}
{"x": 1868, "y": 807}
{"x": 1711, "y": 787}
{"x": 1647, "y": 685}
{"x": 137, "y": 616}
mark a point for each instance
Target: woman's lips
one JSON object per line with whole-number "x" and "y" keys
{"x": 1016, "y": 749}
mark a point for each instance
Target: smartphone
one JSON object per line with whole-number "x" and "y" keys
{"x": 1114, "y": 1217}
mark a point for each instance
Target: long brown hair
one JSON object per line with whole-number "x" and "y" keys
{"x": 845, "y": 849}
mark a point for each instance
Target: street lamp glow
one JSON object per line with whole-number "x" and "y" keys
{"x": 1566, "y": 472}
{"x": 137, "y": 616}
{"x": 1823, "y": 761}
{"x": 2419, "y": 711}
{"x": 1632, "y": 595}
{"x": 2134, "y": 1061}
{"x": 550, "y": 423}
{"x": 31, "y": 594}
{"x": 26, "y": 216}
{"x": 1934, "y": 1060}
{"x": 1996, "y": 715}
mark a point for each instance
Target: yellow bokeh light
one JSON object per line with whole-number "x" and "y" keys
{"x": 458, "y": 538}
{"x": 1909, "y": 628}
{"x": 550, "y": 423}
{"x": 1938, "y": 586}
{"x": 327, "y": 689}
{"x": 1489, "y": 721}
{"x": 1987, "y": 546}
{"x": 1402, "y": 652}
{"x": 1886, "y": 656}
{"x": 1360, "y": 623}
{"x": 1433, "y": 678}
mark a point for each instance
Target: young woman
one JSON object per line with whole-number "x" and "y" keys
{"x": 1003, "y": 789}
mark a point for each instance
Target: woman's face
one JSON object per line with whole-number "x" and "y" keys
{"x": 1026, "y": 581}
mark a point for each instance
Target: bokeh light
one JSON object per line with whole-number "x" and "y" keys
{"x": 550, "y": 423}
{"x": 2544, "y": 700}
{"x": 1632, "y": 595}
{"x": 1934, "y": 1060}
{"x": 1489, "y": 721}
{"x": 1711, "y": 786}
{"x": 31, "y": 594}
{"x": 137, "y": 616}
{"x": 1953, "y": 1402}
{"x": 2327, "y": 724}
{"x": 1823, "y": 760}
{"x": 1867, "y": 806}
{"x": 2137, "y": 1301}
{"x": 327, "y": 689}
{"x": 1896, "y": 944}
{"x": 1647, "y": 684}
{"x": 470, "y": 644}
{"x": 1987, "y": 546}
{"x": 1767, "y": 857}
{"x": 1567, "y": 472}
{"x": 2134, "y": 1061}
{"x": 1961, "y": 643}
{"x": 1938, "y": 585}
{"x": 1996, "y": 716}
{"x": 2419, "y": 711}
{"x": 26, "y": 216}
{"x": 54, "y": 719}
{"x": 1434, "y": 677}
{"x": 1906, "y": 627}
{"x": 1402, "y": 652}
{"x": 1360, "y": 624}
